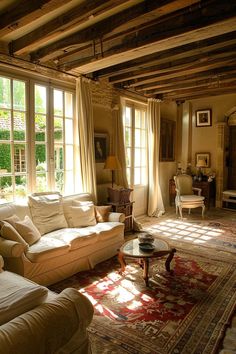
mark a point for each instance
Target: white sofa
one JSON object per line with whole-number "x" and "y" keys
{"x": 66, "y": 249}
{"x": 35, "y": 320}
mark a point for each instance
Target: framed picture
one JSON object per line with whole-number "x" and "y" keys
{"x": 203, "y": 159}
{"x": 203, "y": 118}
{"x": 167, "y": 140}
{"x": 100, "y": 147}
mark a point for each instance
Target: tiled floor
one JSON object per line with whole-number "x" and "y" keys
{"x": 229, "y": 341}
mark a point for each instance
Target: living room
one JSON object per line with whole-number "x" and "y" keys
{"x": 151, "y": 84}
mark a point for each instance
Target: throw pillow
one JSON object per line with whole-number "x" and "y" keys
{"x": 11, "y": 220}
{"x": 82, "y": 203}
{"x": 47, "y": 215}
{"x": 81, "y": 216}
{"x": 27, "y": 230}
{"x": 10, "y": 233}
{"x": 102, "y": 212}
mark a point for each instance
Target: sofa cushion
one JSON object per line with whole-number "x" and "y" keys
{"x": 47, "y": 215}
{"x": 81, "y": 216}
{"x": 12, "y": 219}
{"x": 46, "y": 248}
{"x": 76, "y": 237}
{"x": 102, "y": 212}
{"x": 10, "y": 233}
{"x": 18, "y": 295}
{"x": 107, "y": 230}
{"x": 27, "y": 230}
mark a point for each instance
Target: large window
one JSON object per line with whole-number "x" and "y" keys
{"x": 134, "y": 121}
{"x": 36, "y": 139}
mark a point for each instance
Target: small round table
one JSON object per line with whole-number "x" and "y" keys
{"x": 131, "y": 249}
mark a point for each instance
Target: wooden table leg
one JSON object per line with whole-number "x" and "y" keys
{"x": 145, "y": 270}
{"x": 169, "y": 259}
{"x": 121, "y": 259}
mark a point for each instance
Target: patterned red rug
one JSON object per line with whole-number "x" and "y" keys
{"x": 185, "y": 312}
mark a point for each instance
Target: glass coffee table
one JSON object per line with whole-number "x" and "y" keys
{"x": 131, "y": 249}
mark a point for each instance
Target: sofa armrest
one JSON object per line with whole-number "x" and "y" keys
{"x": 10, "y": 248}
{"x": 49, "y": 327}
{"x": 116, "y": 217}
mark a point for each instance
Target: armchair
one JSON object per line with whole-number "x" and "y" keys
{"x": 185, "y": 197}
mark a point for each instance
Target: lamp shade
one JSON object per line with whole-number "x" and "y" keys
{"x": 201, "y": 163}
{"x": 112, "y": 163}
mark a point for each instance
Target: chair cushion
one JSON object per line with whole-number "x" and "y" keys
{"x": 191, "y": 198}
{"x": 75, "y": 237}
{"x": 27, "y": 230}
{"x": 47, "y": 215}
{"x": 46, "y": 248}
{"x": 107, "y": 230}
{"x": 18, "y": 295}
{"x": 102, "y": 212}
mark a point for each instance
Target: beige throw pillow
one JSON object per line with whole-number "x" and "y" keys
{"x": 10, "y": 233}
{"x": 47, "y": 215}
{"x": 81, "y": 216}
{"x": 12, "y": 219}
{"x": 27, "y": 230}
{"x": 102, "y": 212}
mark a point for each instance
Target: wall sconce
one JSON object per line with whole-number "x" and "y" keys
{"x": 112, "y": 163}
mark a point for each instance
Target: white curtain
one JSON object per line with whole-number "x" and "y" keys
{"x": 119, "y": 147}
{"x": 86, "y": 136}
{"x": 155, "y": 202}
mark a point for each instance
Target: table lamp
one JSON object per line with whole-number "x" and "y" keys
{"x": 201, "y": 164}
{"x": 112, "y": 163}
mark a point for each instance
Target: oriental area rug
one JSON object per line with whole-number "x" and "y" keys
{"x": 186, "y": 311}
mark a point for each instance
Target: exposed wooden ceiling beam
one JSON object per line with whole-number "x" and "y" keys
{"x": 198, "y": 25}
{"x": 110, "y": 24}
{"x": 76, "y": 16}
{"x": 24, "y": 11}
{"x": 223, "y": 88}
{"x": 205, "y": 56}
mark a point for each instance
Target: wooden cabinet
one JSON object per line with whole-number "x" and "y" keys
{"x": 208, "y": 191}
{"x": 127, "y": 209}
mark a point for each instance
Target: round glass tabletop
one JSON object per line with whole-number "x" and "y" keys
{"x": 131, "y": 248}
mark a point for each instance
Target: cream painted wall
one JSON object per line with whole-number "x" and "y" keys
{"x": 204, "y": 139}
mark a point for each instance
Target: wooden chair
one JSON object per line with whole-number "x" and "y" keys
{"x": 185, "y": 197}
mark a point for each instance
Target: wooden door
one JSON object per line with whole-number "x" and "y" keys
{"x": 232, "y": 158}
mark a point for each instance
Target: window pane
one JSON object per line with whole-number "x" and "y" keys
{"x": 5, "y": 93}
{"x": 69, "y": 186}
{"x": 41, "y": 182}
{"x": 128, "y": 157}
{"x": 59, "y": 157}
{"x": 40, "y": 157}
{"x": 137, "y": 118}
{"x": 127, "y": 136}
{"x": 58, "y": 129}
{"x": 59, "y": 180}
{"x": 6, "y": 192}
{"x": 58, "y": 102}
{"x": 128, "y": 175}
{"x": 68, "y": 105}
{"x": 19, "y": 126}
{"x": 69, "y": 131}
{"x": 128, "y": 116}
{"x": 5, "y": 158}
{"x": 40, "y": 127}
{"x": 143, "y": 138}
{"x": 137, "y": 137}
{"x": 20, "y": 158}
{"x": 69, "y": 157}
{"x": 21, "y": 187}
{"x": 19, "y": 95}
{"x": 144, "y": 175}
{"x": 5, "y": 131}
{"x": 143, "y": 120}
{"x": 143, "y": 157}
{"x": 40, "y": 99}
{"x": 137, "y": 157}
{"x": 137, "y": 172}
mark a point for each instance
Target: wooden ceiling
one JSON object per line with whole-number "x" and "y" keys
{"x": 172, "y": 50}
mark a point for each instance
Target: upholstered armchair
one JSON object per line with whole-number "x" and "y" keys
{"x": 185, "y": 197}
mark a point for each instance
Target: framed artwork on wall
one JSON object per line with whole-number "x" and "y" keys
{"x": 202, "y": 159}
{"x": 167, "y": 140}
{"x": 203, "y": 118}
{"x": 100, "y": 147}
